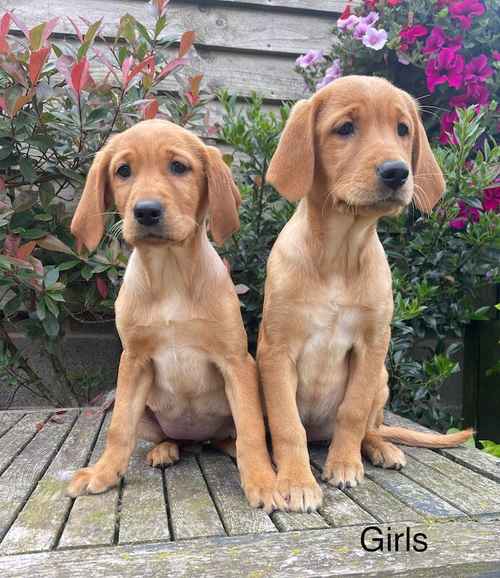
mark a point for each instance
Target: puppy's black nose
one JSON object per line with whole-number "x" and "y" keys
{"x": 393, "y": 173}
{"x": 148, "y": 213}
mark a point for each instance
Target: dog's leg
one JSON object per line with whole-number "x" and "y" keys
{"x": 135, "y": 378}
{"x": 228, "y": 446}
{"x": 165, "y": 452}
{"x": 343, "y": 466}
{"x": 257, "y": 475}
{"x": 296, "y": 483}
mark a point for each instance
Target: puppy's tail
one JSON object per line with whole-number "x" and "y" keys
{"x": 401, "y": 435}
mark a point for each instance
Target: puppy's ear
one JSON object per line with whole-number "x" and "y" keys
{"x": 427, "y": 176}
{"x": 223, "y": 197}
{"x": 291, "y": 170}
{"x": 88, "y": 221}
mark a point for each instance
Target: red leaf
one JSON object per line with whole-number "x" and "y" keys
{"x": 39, "y": 425}
{"x": 56, "y": 419}
{"x": 3, "y": 104}
{"x": 4, "y": 45}
{"x": 137, "y": 69}
{"x": 346, "y": 13}
{"x": 102, "y": 287}
{"x": 24, "y": 251}
{"x": 2, "y": 184}
{"x": 151, "y": 109}
{"x": 186, "y": 43}
{"x": 5, "y": 24}
{"x": 172, "y": 65}
{"x": 37, "y": 59}
{"x": 20, "y": 102}
{"x": 49, "y": 28}
{"x": 80, "y": 75}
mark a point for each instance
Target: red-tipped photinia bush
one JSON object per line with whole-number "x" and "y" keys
{"x": 60, "y": 100}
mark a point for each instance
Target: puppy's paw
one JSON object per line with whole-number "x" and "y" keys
{"x": 343, "y": 473}
{"x": 261, "y": 492}
{"x": 93, "y": 480}
{"x": 164, "y": 454}
{"x": 386, "y": 455}
{"x": 300, "y": 493}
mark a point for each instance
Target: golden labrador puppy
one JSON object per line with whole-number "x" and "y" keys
{"x": 354, "y": 152}
{"x": 185, "y": 371}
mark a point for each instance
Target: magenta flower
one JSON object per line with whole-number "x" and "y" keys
{"x": 331, "y": 74}
{"x": 309, "y": 58}
{"x": 491, "y": 199}
{"x": 347, "y": 23}
{"x": 466, "y": 214}
{"x": 371, "y": 18}
{"x": 375, "y": 39}
{"x": 464, "y": 12}
{"x": 475, "y": 93}
{"x": 437, "y": 39}
{"x": 446, "y": 135}
{"x": 448, "y": 67}
{"x": 496, "y": 55}
{"x": 477, "y": 69}
{"x": 411, "y": 34}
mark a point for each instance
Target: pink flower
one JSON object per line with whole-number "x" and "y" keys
{"x": 371, "y": 18}
{"x": 478, "y": 69}
{"x": 446, "y": 135}
{"x": 331, "y": 74}
{"x": 464, "y": 12}
{"x": 475, "y": 93}
{"x": 466, "y": 214}
{"x": 448, "y": 67}
{"x": 360, "y": 30}
{"x": 491, "y": 199}
{"x": 496, "y": 55}
{"x": 347, "y": 23}
{"x": 375, "y": 39}
{"x": 309, "y": 58}
{"x": 394, "y": 2}
{"x": 411, "y": 34}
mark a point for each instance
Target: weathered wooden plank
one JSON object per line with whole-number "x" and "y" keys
{"x": 332, "y": 7}
{"x": 370, "y": 496}
{"x": 92, "y": 520}
{"x": 471, "y": 458}
{"x": 454, "y": 549}
{"x": 192, "y": 512}
{"x": 455, "y": 471}
{"x": 18, "y": 481}
{"x": 223, "y": 480}
{"x": 474, "y": 502}
{"x": 340, "y": 510}
{"x": 412, "y": 494}
{"x": 216, "y": 26}
{"x": 143, "y": 512}
{"x": 289, "y": 521}
{"x": 19, "y": 435}
{"x": 40, "y": 521}
{"x": 7, "y": 420}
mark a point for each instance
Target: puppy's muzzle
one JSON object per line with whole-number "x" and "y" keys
{"x": 148, "y": 213}
{"x": 393, "y": 174}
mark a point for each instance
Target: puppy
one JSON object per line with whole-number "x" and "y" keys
{"x": 354, "y": 152}
{"x": 185, "y": 372}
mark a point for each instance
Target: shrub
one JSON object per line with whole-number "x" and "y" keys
{"x": 59, "y": 103}
{"x": 443, "y": 51}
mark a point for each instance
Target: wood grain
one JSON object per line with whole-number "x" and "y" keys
{"x": 7, "y": 420}
{"x": 41, "y": 520}
{"x": 465, "y": 548}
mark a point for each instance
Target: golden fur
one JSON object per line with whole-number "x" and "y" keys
{"x": 185, "y": 371}
{"x": 328, "y": 298}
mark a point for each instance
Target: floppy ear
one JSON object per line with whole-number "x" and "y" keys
{"x": 291, "y": 170}
{"x": 88, "y": 221}
{"x": 427, "y": 176}
{"x": 223, "y": 197}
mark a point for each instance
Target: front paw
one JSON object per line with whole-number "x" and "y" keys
{"x": 343, "y": 473}
{"x": 260, "y": 490}
{"x": 300, "y": 491}
{"x": 93, "y": 480}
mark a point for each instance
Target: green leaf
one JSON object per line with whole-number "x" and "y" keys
{"x": 12, "y": 306}
{"x": 51, "y": 277}
{"x": 51, "y": 325}
{"x": 27, "y": 169}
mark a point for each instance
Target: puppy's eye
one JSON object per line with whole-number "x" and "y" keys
{"x": 178, "y": 168}
{"x": 403, "y": 129}
{"x": 124, "y": 171}
{"x": 345, "y": 129}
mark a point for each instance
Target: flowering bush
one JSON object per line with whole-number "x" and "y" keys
{"x": 440, "y": 50}
{"x": 59, "y": 102}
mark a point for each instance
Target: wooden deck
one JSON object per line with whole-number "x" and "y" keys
{"x": 192, "y": 519}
